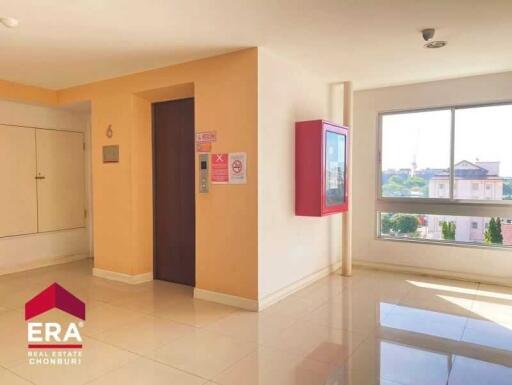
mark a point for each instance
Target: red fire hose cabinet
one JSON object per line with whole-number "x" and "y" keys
{"x": 321, "y": 154}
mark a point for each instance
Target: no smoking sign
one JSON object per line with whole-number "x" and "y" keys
{"x": 237, "y": 168}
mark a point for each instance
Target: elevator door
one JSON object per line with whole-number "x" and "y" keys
{"x": 174, "y": 196}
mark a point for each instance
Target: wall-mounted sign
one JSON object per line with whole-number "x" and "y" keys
{"x": 237, "y": 168}
{"x": 206, "y": 137}
{"x": 204, "y": 147}
{"x": 219, "y": 169}
{"x": 111, "y": 154}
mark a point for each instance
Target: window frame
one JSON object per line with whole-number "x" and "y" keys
{"x": 440, "y": 206}
{"x": 451, "y": 199}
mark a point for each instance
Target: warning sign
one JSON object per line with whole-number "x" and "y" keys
{"x": 219, "y": 169}
{"x": 203, "y": 147}
{"x": 206, "y": 137}
{"x": 238, "y": 168}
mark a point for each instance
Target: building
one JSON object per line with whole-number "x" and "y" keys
{"x": 473, "y": 181}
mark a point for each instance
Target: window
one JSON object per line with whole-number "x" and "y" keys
{"x": 482, "y": 149}
{"x": 446, "y": 228}
{"x": 415, "y": 147}
{"x": 446, "y": 175}
{"x": 424, "y": 154}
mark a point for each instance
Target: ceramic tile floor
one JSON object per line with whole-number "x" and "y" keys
{"x": 373, "y": 328}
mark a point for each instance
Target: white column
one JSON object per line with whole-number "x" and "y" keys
{"x": 346, "y": 227}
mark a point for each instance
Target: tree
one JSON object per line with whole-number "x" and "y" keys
{"x": 405, "y": 223}
{"x": 397, "y": 179}
{"x": 415, "y": 181}
{"x": 499, "y": 234}
{"x": 493, "y": 233}
{"x": 386, "y": 223}
{"x": 452, "y": 230}
{"x": 448, "y": 230}
{"x": 392, "y": 189}
{"x": 398, "y": 185}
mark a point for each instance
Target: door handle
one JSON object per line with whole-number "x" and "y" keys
{"x": 40, "y": 177}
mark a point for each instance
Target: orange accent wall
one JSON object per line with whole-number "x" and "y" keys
{"x": 112, "y": 184}
{"x": 27, "y": 94}
{"x": 225, "y": 90}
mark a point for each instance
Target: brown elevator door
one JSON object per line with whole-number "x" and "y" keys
{"x": 174, "y": 186}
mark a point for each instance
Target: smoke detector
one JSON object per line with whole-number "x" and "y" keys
{"x": 9, "y": 22}
{"x": 428, "y": 36}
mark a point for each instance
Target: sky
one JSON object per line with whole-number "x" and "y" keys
{"x": 481, "y": 133}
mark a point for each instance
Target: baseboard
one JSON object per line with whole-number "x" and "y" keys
{"x": 485, "y": 279}
{"x": 226, "y": 299}
{"x": 280, "y": 294}
{"x": 258, "y": 305}
{"x": 122, "y": 277}
{"x": 43, "y": 263}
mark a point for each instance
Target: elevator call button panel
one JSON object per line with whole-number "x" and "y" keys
{"x": 203, "y": 173}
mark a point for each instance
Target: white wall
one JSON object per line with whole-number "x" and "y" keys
{"x": 290, "y": 248}
{"x": 34, "y": 250}
{"x": 493, "y": 264}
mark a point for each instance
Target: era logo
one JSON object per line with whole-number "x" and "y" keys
{"x": 52, "y": 334}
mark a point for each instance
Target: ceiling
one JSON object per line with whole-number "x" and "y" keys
{"x": 61, "y": 43}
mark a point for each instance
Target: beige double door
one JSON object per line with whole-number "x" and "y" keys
{"x": 41, "y": 180}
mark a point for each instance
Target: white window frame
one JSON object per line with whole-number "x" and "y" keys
{"x": 437, "y": 206}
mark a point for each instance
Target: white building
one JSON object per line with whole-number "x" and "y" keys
{"x": 473, "y": 181}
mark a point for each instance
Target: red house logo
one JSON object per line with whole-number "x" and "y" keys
{"x": 54, "y": 296}
{"x": 51, "y": 335}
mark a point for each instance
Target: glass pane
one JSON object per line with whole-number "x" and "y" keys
{"x": 448, "y": 228}
{"x": 415, "y": 149}
{"x": 334, "y": 168}
{"x": 483, "y": 155}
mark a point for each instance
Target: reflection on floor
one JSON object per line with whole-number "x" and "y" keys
{"x": 373, "y": 328}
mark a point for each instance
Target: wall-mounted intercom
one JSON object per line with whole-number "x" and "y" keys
{"x": 203, "y": 173}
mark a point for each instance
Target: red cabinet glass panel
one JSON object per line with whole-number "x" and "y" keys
{"x": 321, "y": 186}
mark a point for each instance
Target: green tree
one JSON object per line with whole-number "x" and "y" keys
{"x": 499, "y": 234}
{"x": 392, "y": 189}
{"x": 405, "y": 223}
{"x": 448, "y": 230}
{"x": 452, "y": 230}
{"x": 415, "y": 181}
{"x": 396, "y": 179}
{"x": 405, "y": 186}
{"x": 386, "y": 223}
{"x": 493, "y": 233}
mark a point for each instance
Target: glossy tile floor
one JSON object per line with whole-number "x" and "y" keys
{"x": 372, "y": 328}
